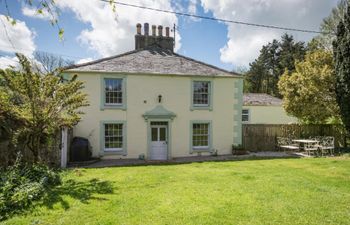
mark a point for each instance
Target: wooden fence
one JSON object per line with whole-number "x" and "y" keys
{"x": 262, "y": 137}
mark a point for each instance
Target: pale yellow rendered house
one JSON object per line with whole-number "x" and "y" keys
{"x": 155, "y": 103}
{"x": 261, "y": 108}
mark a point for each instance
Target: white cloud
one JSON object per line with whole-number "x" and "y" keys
{"x": 113, "y": 33}
{"x": 7, "y": 61}
{"x": 85, "y": 60}
{"x": 16, "y": 38}
{"x": 32, "y": 12}
{"x": 242, "y": 51}
{"x": 244, "y": 42}
{"x": 192, "y": 9}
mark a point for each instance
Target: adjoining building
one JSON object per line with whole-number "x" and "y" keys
{"x": 261, "y": 108}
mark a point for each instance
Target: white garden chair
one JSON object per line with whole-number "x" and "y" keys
{"x": 327, "y": 145}
{"x": 311, "y": 148}
{"x": 284, "y": 143}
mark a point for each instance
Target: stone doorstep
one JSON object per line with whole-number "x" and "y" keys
{"x": 99, "y": 163}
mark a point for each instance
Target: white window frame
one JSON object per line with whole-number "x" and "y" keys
{"x": 209, "y": 135}
{"x": 104, "y": 137}
{"x": 116, "y": 106}
{"x": 196, "y": 106}
{"x": 121, "y": 91}
{"x": 246, "y": 114}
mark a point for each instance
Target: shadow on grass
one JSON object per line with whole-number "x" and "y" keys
{"x": 82, "y": 191}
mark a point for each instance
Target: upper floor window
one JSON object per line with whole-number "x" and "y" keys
{"x": 113, "y": 91}
{"x": 201, "y": 96}
{"x": 245, "y": 115}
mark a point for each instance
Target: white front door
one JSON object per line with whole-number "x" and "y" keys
{"x": 159, "y": 143}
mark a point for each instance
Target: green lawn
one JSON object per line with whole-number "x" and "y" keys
{"x": 280, "y": 191}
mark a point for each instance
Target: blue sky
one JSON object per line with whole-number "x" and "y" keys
{"x": 93, "y": 31}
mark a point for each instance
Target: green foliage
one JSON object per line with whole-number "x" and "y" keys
{"x": 309, "y": 92}
{"x": 330, "y": 23}
{"x": 274, "y": 59}
{"x": 42, "y": 102}
{"x": 22, "y": 184}
{"x": 342, "y": 68}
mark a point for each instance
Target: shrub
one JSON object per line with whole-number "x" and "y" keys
{"x": 21, "y": 184}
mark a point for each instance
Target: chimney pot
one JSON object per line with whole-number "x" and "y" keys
{"x": 138, "y": 28}
{"x": 160, "y": 30}
{"x": 147, "y": 41}
{"x": 154, "y": 28}
{"x": 146, "y": 27}
{"x": 167, "y": 31}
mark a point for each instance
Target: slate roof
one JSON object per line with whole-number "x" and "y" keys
{"x": 260, "y": 99}
{"x": 152, "y": 61}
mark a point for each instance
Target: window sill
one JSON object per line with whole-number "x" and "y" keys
{"x": 195, "y": 150}
{"x": 194, "y": 107}
{"x": 122, "y": 107}
{"x": 114, "y": 152}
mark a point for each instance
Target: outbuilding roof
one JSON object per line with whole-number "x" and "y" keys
{"x": 152, "y": 61}
{"x": 260, "y": 99}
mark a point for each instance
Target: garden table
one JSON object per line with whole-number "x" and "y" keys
{"x": 308, "y": 145}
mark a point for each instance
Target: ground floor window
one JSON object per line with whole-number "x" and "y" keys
{"x": 113, "y": 136}
{"x": 245, "y": 115}
{"x": 200, "y": 135}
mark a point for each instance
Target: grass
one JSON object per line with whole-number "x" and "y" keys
{"x": 280, "y": 191}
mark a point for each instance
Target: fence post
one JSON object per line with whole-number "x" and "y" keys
{"x": 64, "y": 147}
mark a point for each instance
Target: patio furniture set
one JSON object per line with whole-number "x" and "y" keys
{"x": 320, "y": 145}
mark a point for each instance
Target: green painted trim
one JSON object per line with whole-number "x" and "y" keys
{"x": 211, "y": 93}
{"x": 149, "y": 142}
{"x": 210, "y": 147}
{"x": 124, "y": 151}
{"x": 238, "y": 96}
{"x": 159, "y": 112}
{"x": 103, "y": 106}
{"x": 157, "y": 74}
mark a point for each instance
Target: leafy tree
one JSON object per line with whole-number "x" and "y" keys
{"x": 309, "y": 92}
{"x": 315, "y": 45}
{"x": 254, "y": 78}
{"x": 274, "y": 58}
{"x": 330, "y": 23}
{"x": 290, "y": 51}
{"x": 342, "y": 68}
{"x": 42, "y": 102}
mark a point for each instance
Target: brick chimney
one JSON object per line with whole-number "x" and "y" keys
{"x": 145, "y": 40}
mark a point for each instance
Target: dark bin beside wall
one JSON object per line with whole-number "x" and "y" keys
{"x": 80, "y": 150}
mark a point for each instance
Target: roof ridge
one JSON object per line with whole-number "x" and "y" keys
{"x": 101, "y": 60}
